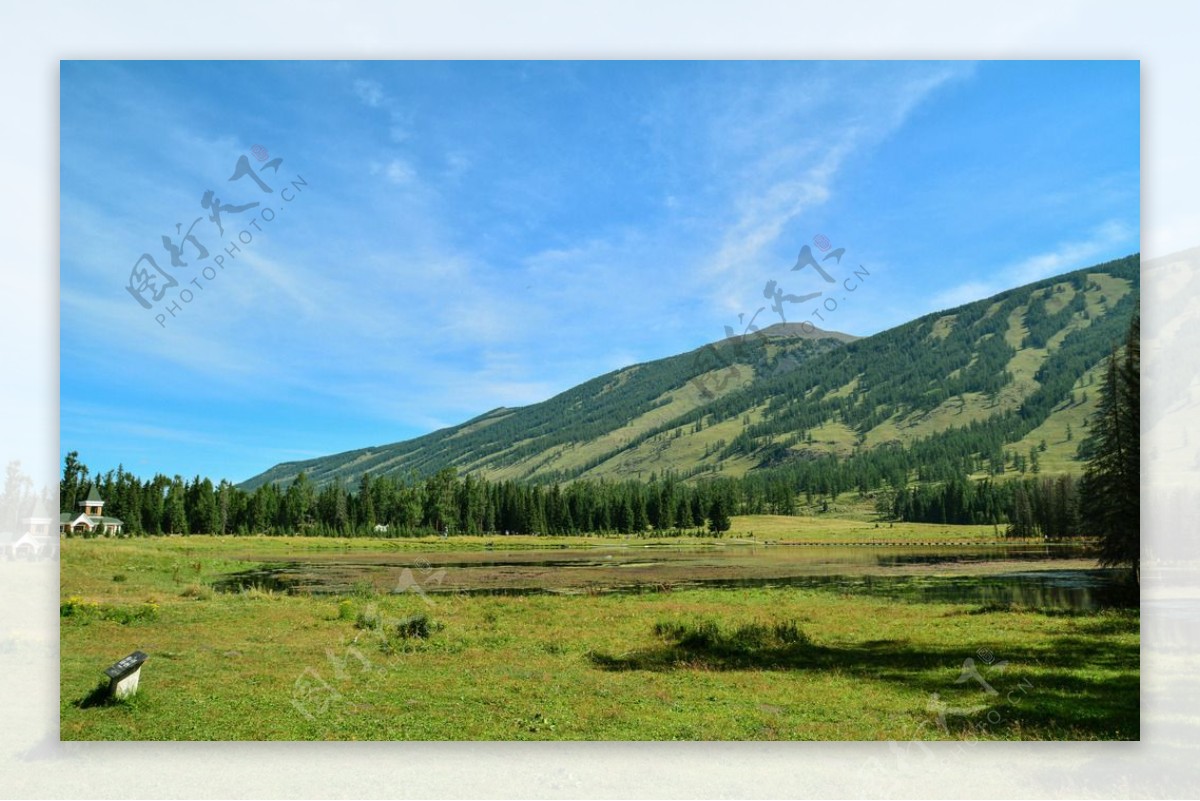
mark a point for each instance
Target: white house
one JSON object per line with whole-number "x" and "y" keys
{"x": 90, "y": 519}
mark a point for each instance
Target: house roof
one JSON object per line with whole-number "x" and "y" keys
{"x": 67, "y": 517}
{"x": 94, "y": 495}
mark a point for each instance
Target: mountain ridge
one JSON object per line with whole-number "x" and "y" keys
{"x": 791, "y": 392}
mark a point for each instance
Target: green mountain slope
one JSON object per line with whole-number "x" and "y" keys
{"x": 982, "y": 383}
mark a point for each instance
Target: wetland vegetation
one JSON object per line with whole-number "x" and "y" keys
{"x": 602, "y": 637}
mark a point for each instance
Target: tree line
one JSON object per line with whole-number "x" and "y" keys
{"x": 1047, "y": 507}
{"x": 444, "y": 503}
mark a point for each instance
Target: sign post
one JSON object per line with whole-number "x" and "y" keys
{"x": 123, "y": 676}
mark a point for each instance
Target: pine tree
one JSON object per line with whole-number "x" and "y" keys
{"x": 74, "y": 476}
{"x": 225, "y": 495}
{"x": 341, "y": 513}
{"x": 718, "y": 515}
{"x": 1021, "y": 524}
{"x": 174, "y": 508}
{"x": 1109, "y": 495}
{"x": 366, "y": 517}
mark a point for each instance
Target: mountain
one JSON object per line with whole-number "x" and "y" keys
{"x": 987, "y": 382}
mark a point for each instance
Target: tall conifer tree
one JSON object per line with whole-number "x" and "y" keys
{"x": 1110, "y": 492}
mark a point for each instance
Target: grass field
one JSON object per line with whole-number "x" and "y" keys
{"x": 695, "y": 664}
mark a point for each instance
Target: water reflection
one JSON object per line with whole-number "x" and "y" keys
{"x": 1040, "y": 577}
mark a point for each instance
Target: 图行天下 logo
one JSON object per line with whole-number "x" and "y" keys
{"x": 163, "y": 282}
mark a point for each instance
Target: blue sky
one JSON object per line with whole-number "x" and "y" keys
{"x": 462, "y": 236}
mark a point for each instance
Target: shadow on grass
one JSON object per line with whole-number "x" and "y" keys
{"x": 97, "y": 697}
{"x": 1082, "y": 686}
{"x": 100, "y": 697}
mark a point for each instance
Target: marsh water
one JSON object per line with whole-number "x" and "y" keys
{"x": 1033, "y": 576}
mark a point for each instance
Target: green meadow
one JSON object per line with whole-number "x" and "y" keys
{"x": 752, "y": 663}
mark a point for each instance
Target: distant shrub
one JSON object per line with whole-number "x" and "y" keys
{"x": 132, "y": 614}
{"x": 394, "y": 633}
{"x": 419, "y": 626}
{"x": 789, "y": 633}
{"x": 416, "y": 626}
{"x": 367, "y": 618}
{"x": 345, "y": 609}
{"x": 257, "y": 592}
{"x": 75, "y": 606}
{"x": 120, "y": 578}
{"x": 363, "y": 589}
{"x": 201, "y": 592}
{"x": 668, "y": 628}
{"x": 701, "y": 634}
{"x": 708, "y": 635}
{"x": 750, "y": 637}
{"x": 86, "y": 611}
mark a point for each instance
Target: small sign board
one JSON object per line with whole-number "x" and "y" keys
{"x": 124, "y": 675}
{"x": 126, "y": 666}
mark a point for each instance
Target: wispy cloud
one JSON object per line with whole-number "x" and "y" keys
{"x": 964, "y": 293}
{"x": 796, "y": 146}
{"x": 1108, "y": 240}
{"x": 398, "y": 171}
{"x": 1075, "y": 254}
{"x": 369, "y": 92}
{"x": 457, "y": 163}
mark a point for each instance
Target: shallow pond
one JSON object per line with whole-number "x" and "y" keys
{"x": 1038, "y": 576}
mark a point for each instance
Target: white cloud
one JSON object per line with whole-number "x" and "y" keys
{"x": 401, "y": 125}
{"x": 305, "y": 289}
{"x": 795, "y": 142}
{"x": 400, "y": 121}
{"x": 765, "y": 213}
{"x": 1072, "y": 255}
{"x": 620, "y": 360}
{"x": 963, "y": 293}
{"x": 369, "y": 92}
{"x": 116, "y": 421}
{"x": 398, "y": 171}
{"x": 457, "y": 163}
{"x": 1067, "y": 256}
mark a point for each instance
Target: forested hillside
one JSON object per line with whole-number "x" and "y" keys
{"x": 999, "y": 387}
{"x": 579, "y": 431}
